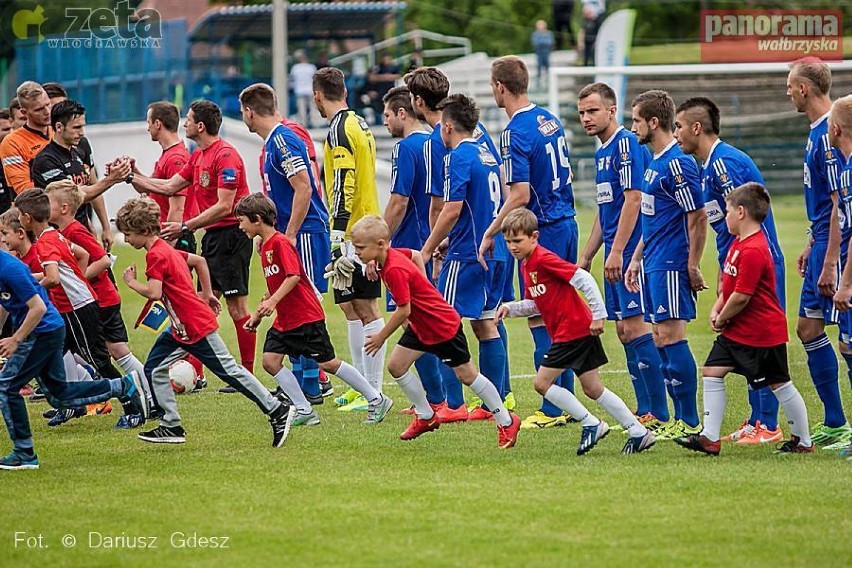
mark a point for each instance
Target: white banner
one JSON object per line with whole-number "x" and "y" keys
{"x": 612, "y": 49}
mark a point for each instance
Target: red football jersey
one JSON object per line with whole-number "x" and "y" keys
{"x": 749, "y": 269}
{"x": 279, "y": 259}
{"x": 192, "y": 319}
{"x": 73, "y": 291}
{"x": 219, "y": 166}
{"x": 171, "y": 162}
{"x": 102, "y": 284}
{"x": 31, "y": 260}
{"x": 547, "y": 281}
{"x": 432, "y": 319}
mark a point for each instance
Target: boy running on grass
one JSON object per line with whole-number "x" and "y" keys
{"x": 299, "y": 329}
{"x": 752, "y": 328}
{"x": 65, "y": 199}
{"x": 193, "y": 325}
{"x": 551, "y": 285}
{"x": 35, "y": 350}
{"x": 433, "y": 327}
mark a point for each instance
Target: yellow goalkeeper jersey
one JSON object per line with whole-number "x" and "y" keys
{"x": 349, "y": 162}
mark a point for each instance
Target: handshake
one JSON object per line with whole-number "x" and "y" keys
{"x": 121, "y": 169}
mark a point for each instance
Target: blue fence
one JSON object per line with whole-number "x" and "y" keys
{"x": 114, "y": 83}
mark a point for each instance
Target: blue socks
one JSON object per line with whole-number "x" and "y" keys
{"x": 754, "y": 403}
{"x": 768, "y": 408}
{"x": 542, "y": 342}
{"x": 650, "y": 366}
{"x": 683, "y": 377}
{"x": 492, "y": 362}
{"x": 428, "y": 369}
{"x": 310, "y": 377}
{"x": 504, "y": 337}
{"x": 643, "y": 405}
{"x": 822, "y": 363}
{"x": 453, "y": 387}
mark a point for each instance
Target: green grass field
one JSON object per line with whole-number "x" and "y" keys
{"x": 347, "y": 494}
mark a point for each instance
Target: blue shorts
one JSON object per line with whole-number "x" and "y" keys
{"x": 499, "y": 272}
{"x": 668, "y": 295}
{"x": 560, "y": 237}
{"x": 509, "y": 280}
{"x": 465, "y": 287}
{"x": 621, "y": 303}
{"x": 812, "y": 304}
{"x": 315, "y": 253}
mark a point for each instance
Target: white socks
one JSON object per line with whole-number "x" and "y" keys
{"x": 486, "y": 390}
{"x": 356, "y": 380}
{"x": 797, "y": 415}
{"x": 413, "y": 390}
{"x": 288, "y": 383}
{"x": 611, "y": 402}
{"x": 566, "y": 401}
{"x": 129, "y": 363}
{"x": 715, "y": 400}
{"x": 374, "y": 365}
{"x": 355, "y": 332}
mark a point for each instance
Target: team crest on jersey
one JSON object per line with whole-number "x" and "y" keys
{"x": 269, "y": 257}
{"x": 534, "y": 277}
{"x": 625, "y": 157}
{"x": 547, "y": 127}
{"x": 204, "y": 179}
{"x": 486, "y": 157}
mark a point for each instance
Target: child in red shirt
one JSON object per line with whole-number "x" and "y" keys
{"x": 550, "y": 285}
{"x": 193, "y": 325}
{"x": 433, "y": 327}
{"x": 299, "y": 328}
{"x": 65, "y": 199}
{"x": 752, "y": 327}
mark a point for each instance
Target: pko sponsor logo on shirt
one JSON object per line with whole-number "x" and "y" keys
{"x": 770, "y": 35}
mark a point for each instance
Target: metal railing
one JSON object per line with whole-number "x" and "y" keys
{"x": 460, "y": 46}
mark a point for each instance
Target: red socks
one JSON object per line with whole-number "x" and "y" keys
{"x": 247, "y": 342}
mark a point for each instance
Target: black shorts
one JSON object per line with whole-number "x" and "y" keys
{"x": 761, "y": 366}
{"x": 114, "y": 329}
{"x": 228, "y": 254}
{"x": 452, "y": 353}
{"x": 84, "y": 336}
{"x": 310, "y": 340}
{"x": 580, "y": 355}
{"x": 186, "y": 242}
{"x": 362, "y": 288}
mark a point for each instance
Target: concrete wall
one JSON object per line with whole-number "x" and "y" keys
{"x": 132, "y": 139}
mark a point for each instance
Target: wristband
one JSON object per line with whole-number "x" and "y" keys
{"x": 129, "y": 178}
{"x": 183, "y": 226}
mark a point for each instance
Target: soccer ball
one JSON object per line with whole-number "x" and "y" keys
{"x": 182, "y": 376}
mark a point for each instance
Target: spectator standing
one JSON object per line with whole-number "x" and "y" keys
{"x": 563, "y": 12}
{"x": 301, "y": 79}
{"x": 542, "y": 42}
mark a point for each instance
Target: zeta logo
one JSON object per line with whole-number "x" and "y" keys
{"x": 25, "y": 20}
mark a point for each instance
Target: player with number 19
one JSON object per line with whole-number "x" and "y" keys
{"x": 537, "y": 169}
{"x": 472, "y": 194}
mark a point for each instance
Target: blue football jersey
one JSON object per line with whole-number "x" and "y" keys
{"x": 17, "y": 286}
{"x": 408, "y": 178}
{"x": 845, "y": 188}
{"x": 535, "y": 151}
{"x": 671, "y": 188}
{"x": 472, "y": 175}
{"x": 726, "y": 169}
{"x": 435, "y": 151}
{"x": 284, "y": 156}
{"x": 822, "y": 169}
{"x": 620, "y": 165}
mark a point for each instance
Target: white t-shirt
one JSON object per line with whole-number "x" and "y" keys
{"x": 302, "y": 77}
